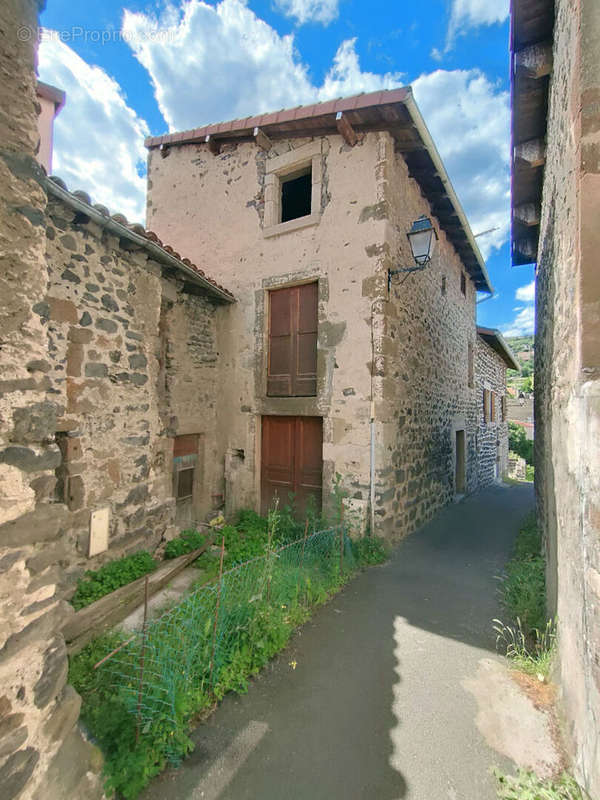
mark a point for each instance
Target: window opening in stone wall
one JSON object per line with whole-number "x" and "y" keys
{"x": 443, "y": 285}
{"x": 460, "y": 466}
{"x": 296, "y": 191}
{"x": 185, "y": 483}
{"x": 470, "y": 367}
{"x": 463, "y": 283}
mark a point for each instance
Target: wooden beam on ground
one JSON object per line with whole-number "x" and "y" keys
{"x": 262, "y": 140}
{"x": 213, "y": 145}
{"x": 527, "y": 213}
{"x": 345, "y": 129}
{"x": 534, "y": 61}
{"x": 531, "y": 153}
{"x": 99, "y": 617}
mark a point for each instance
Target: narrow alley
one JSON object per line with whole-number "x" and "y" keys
{"x": 371, "y": 698}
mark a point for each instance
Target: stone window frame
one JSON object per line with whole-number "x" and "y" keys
{"x": 277, "y": 168}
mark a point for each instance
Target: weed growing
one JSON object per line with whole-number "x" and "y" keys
{"x": 529, "y": 642}
{"x": 210, "y": 643}
{"x": 184, "y": 543}
{"x": 527, "y": 786}
{"x": 103, "y": 581}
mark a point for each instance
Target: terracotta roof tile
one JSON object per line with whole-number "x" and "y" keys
{"x": 139, "y": 230}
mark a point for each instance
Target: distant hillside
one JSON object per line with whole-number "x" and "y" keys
{"x": 522, "y": 347}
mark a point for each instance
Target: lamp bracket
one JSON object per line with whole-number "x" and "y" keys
{"x": 401, "y": 270}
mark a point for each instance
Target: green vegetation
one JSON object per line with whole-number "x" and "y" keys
{"x": 519, "y": 443}
{"x": 184, "y": 543}
{"x": 111, "y": 576}
{"x": 527, "y": 786}
{"x": 190, "y": 664}
{"x": 530, "y": 638}
{"x": 523, "y": 349}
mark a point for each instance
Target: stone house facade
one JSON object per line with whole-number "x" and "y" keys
{"x": 492, "y": 358}
{"x": 556, "y": 207}
{"x": 384, "y": 399}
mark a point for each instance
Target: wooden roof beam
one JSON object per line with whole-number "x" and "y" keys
{"x": 534, "y": 61}
{"x": 345, "y": 129}
{"x": 527, "y": 248}
{"x": 214, "y": 145}
{"x": 531, "y": 153}
{"x": 527, "y": 214}
{"x": 262, "y": 140}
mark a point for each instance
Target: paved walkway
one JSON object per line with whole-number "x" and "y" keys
{"x": 378, "y": 705}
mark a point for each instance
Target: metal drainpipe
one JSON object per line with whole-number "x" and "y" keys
{"x": 372, "y": 433}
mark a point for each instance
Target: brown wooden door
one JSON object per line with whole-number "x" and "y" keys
{"x": 292, "y": 461}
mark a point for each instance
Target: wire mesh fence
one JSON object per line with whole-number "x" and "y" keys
{"x": 222, "y": 632}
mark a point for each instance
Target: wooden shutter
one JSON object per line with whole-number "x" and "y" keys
{"x": 493, "y": 407}
{"x": 292, "y": 358}
{"x": 486, "y": 405}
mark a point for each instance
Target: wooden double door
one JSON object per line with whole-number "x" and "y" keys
{"x": 292, "y": 461}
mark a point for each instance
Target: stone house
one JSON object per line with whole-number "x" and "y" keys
{"x": 334, "y": 360}
{"x": 555, "y": 212}
{"x": 493, "y": 358}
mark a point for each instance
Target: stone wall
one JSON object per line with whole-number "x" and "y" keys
{"x": 38, "y": 712}
{"x": 567, "y": 368}
{"x": 492, "y": 436}
{"x": 428, "y": 325}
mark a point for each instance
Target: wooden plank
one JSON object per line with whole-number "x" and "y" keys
{"x": 345, "y": 129}
{"x": 99, "y": 617}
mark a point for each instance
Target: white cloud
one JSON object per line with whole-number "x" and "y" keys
{"x": 324, "y": 11}
{"x": 98, "y": 138}
{"x": 469, "y": 117}
{"x": 526, "y": 293}
{"x": 524, "y": 322}
{"x": 467, "y": 14}
{"x": 522, "y": 325}
{"x": 224, "y": 62}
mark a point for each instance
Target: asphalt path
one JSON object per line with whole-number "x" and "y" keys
{"x": 369, "y": 699}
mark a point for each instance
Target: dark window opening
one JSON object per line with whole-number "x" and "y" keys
{"x": 471, "y": 366}
{"x": 443, "y": 284}
{"x": 185, "y": 483}
{"x": 463, "y": 284}
{"x": 296, "y": 195}
{"x": 460, "y": 464}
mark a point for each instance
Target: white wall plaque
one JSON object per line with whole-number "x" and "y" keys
{"x": 99, "y": 531}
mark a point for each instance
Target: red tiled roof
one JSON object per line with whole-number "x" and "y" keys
{"x": 354, "y": 103}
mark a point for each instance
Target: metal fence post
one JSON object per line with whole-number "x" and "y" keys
{"x": 142, "y": 658}
{"x": 214, "y": 641}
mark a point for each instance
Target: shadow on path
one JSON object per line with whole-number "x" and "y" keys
{"x": 374, "y": 707}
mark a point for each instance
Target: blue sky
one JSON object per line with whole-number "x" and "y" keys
{"x": 137, "y": 68}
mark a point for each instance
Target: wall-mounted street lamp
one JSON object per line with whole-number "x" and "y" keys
{"x": 422, "y": 237}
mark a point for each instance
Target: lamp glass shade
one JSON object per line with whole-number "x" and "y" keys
{"x": 422, "y": 237}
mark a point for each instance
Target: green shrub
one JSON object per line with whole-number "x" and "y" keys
{"x": 111, "y": 576}
{"x": 527, "y": 786}
{"x": 369, "y": 550}
{"x": 530, "y": 473}
{"x": 519, "y": 443}
{"x": 184, "y": 543}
